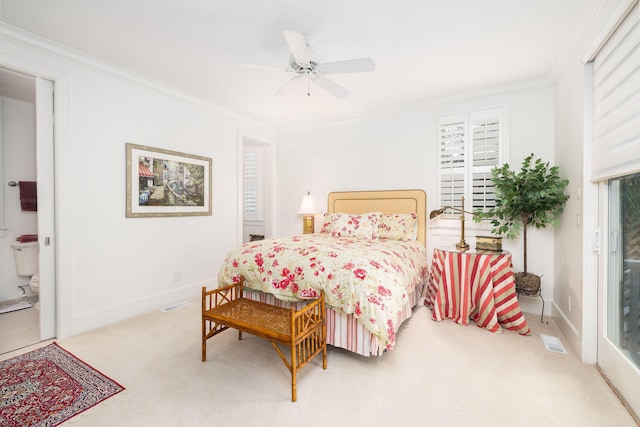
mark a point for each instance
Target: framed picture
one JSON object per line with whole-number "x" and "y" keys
{"x": 166, "y": 183}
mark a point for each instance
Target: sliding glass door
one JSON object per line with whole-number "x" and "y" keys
{"x": 619, "y": 340}
{"x": 624, "y": 266}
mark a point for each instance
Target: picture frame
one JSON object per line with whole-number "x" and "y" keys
{"x": 163, "y": 183}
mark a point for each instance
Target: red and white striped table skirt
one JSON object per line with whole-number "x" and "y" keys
{"x": 475, "y": 285}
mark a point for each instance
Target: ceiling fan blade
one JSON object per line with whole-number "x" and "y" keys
{"x": 350, "y": 66}
{"x": 331, "y": 87}
{"x": 287, "y": 87}
{"x": 298, "y": 47}
{"x": 267, "y": 67}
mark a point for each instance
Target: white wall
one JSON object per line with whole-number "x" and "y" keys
{"x": 568, "y": 236}
{"x": 397, "y": 150}
{"x": 110, "y": 267}
{"x": 19, "y": 165}
{"x": 351, "y": 156}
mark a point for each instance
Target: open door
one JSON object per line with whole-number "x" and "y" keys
{"x": 46, "y": 202}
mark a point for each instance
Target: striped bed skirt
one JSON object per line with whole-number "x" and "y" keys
{"x": 344, "y": 330}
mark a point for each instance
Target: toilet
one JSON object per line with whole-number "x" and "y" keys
{"x": 26, "y": 255}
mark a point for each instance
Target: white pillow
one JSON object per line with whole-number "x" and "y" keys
{"x": 398, "y": 226}
{"x": 327, "y": 220}
{"x": 360, "y": 226}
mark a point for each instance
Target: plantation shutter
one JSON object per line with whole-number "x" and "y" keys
{"x": 250, "y": 184}
{"x": 452, "y": 142}
{"x": 470, "y": 146}
{"x": 616, "y": 102}
{"x": 486, "y": 155}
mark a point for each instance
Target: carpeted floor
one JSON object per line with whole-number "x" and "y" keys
{"x": 441, "y": 374}
{"x": 48, "y": 386}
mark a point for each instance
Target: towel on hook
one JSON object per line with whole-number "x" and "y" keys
{"x": 28, "y": 196}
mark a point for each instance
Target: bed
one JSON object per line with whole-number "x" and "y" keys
{"x": 369, "y": 258}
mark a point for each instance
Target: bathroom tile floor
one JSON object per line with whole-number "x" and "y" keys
{"x": 19, "y": 329}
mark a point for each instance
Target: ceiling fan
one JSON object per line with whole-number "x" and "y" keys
{"x": 304, "y": 67}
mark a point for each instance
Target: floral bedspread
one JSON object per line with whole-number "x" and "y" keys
{"x": 371, "y": 279}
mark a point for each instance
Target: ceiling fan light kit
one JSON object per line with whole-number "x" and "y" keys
{"x": 303, "y": 66}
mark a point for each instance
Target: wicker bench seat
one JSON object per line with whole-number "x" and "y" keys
{"x": 303, "y": 331}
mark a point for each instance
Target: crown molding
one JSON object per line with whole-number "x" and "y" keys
{"x": 614, "y": 21}
{"x": 589, "y": 34}
{"x": 426, "y": 104}
{"x": 42, "y": 45}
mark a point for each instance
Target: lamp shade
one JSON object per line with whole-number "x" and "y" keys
{"x": 307, "y": 205}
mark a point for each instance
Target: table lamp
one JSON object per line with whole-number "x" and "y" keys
{"x": 307, "y": 209}
{"x": 461, "y": 245}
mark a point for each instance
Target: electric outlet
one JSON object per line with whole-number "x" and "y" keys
{"x": 569, "y": 302}
{"x": 177, "y": 276}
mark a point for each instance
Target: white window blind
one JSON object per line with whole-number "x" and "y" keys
{"x": 616, "y": 102}
{"x": 252, "y": 185}
{"x": 452, "y": 136}
{"x": 470, "y": 145}
{"x": 486, "y": 155}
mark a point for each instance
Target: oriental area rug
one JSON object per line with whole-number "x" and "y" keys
{"x": 48, "y": 386}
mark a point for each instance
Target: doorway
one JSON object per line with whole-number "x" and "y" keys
{"x": 27, "y": 157}
{"x": 256, "y": 188}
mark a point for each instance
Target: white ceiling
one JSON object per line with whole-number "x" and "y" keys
{"x": 422, "y": 48}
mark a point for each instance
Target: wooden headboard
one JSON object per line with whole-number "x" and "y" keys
{"x": 385, "y": 201}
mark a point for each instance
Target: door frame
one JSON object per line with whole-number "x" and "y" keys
{"x": 270, "y": 189}
{"x": 31, "y": 63}
{"x": 45, "y": 219}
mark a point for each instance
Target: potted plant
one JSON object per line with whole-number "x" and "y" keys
{"x": 533, "y": 197}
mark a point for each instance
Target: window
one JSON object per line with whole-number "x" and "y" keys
{"x": 469, "y": 146}
{"x": 252, "y": 197}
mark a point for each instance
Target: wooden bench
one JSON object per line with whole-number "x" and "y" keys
{"x": 304, "y": 331}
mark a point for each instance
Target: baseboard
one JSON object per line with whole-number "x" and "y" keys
{"x": 92, "y": 320}
{"x": 568, "y": 329}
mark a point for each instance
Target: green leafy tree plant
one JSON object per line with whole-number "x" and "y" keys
{"x": 534, "y": 197}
